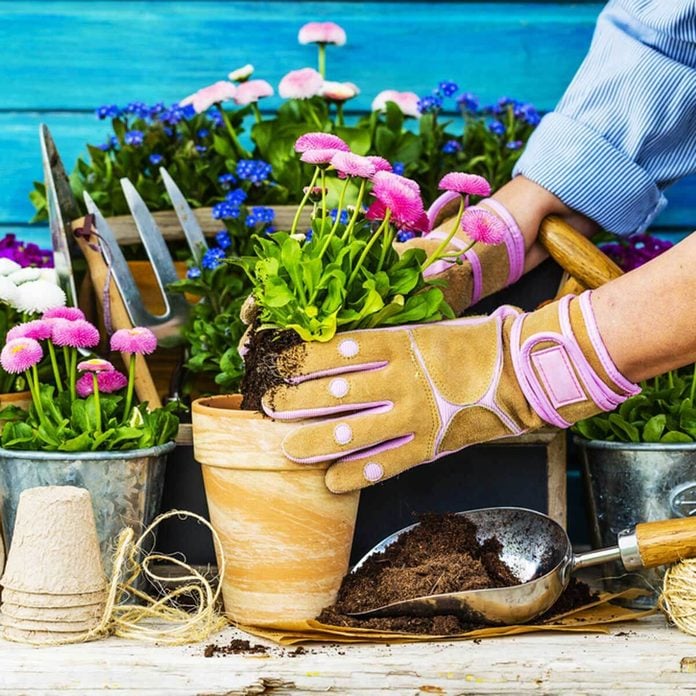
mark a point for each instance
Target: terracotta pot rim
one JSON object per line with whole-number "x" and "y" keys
{"x": 227, "y": 405}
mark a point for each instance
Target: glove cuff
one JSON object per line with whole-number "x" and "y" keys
{"x": 567, "y": 374}
{"x": 480, "y": 267}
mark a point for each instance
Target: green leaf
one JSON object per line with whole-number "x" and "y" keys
{"x": 674, "y": 436}
{"x": 652, "y": 432}
{"x": 624, "y": 431}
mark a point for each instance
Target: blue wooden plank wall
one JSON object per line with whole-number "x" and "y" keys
{"x": 63, "y": 59}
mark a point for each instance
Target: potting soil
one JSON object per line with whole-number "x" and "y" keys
{"x": 440, "y": 555}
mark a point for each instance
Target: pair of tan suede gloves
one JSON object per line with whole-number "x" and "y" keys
{"x": 374, "y": 403}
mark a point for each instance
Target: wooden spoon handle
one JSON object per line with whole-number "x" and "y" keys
{"x": 666, "y": 541}
{"x": 577, "y": 254}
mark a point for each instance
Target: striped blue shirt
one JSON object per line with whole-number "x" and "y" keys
{"x": 625, "y": 129}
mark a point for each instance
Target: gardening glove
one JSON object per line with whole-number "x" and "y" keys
{"x": 482, "y": 270}
{"x": 384, "y": 400}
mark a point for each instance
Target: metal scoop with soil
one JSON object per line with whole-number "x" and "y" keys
{"x": 538, "y": 550}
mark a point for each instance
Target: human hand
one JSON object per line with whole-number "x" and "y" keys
{"x": 380, "y": 401}
{"x": 471, "y": 273}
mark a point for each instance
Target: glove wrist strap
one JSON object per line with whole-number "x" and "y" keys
{"x": 560, "y": 374}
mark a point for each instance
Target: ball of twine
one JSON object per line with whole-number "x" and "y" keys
{"x": 678, "y": 598}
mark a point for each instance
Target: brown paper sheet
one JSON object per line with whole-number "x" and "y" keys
{"x": 591, "y": 618}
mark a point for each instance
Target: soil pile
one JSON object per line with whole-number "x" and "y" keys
{"x": 441, "y": 555}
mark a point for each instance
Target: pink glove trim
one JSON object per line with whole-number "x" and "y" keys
{"x": 601, "y": 350}
{"x": 439, "y": 203}
{"x": 561, "y": 382}
{"x": 339, "y": 409}
{"x": 513, "y": 241}
{"x": 344, "y": 369}
{"x": 476, "y": 276}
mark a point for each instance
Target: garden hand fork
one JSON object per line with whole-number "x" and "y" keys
{"x": 107, "y": 265}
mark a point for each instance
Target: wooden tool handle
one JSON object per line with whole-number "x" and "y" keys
{"x": 99, "y": 273}
{"x": 666, "y": 541}
{"x": 577, "y": 254}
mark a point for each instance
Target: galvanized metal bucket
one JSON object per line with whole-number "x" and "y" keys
{"x": 126, "y": 486}
{"x": 628, "y": 483}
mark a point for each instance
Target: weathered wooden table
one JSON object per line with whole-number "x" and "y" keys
{"x": 642, "y": 657}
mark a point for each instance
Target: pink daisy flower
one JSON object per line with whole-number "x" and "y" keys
{"x": 253, "y": 90}
{"x": 69, "y": 313}
{"x": 399, "y": 195}
{"x": 322, "y": 32}
{"x": 378, "y": 210}
{"x": 75, "y": 334}
{"x": 338, "y": 91}
{"x": 465, "y": 183}
{"x": 136, "y": 340}
{"x": 350, "y": 164}
{"x": 406, "y": 101}
{"x": 204, "y": 98}
{"x": 319, "y": 156}
{"x": 38, "y": 329}
{"x": 381, "y": 165}
{"x": 95, "y": 365}
{"x": 301, "y": 84}
{"x": 320, "y": 141}
{"x": 108, "y": 382}
{"x": 20, "y": 354}
{"x": 482, "y": 226}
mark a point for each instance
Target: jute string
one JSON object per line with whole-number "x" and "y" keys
{"x": 678, "y": 598}
{"x": 156, "y": 619}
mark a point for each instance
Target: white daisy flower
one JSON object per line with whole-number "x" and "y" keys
{"x": 38, "y": 296}
{"x": 8, "y": 290}
{"x": 24, "y": 275}
{"x": 241, "y": 74}
{"x": 8, "y": 266}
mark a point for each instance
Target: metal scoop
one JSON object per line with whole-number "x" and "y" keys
{"x": 538, "y": 551}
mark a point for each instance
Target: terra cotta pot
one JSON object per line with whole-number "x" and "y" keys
{"x": 286, "y": 538}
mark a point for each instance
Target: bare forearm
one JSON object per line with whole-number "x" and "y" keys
{"x": 647, "y": 317}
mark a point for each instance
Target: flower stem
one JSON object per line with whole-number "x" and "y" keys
{"x": 354, "y": 216}
{"x": 33, "y": 380}
{"x": 322, "y": 59}
{"x": 339, "y": 114}
{"x": 445, "y": 242}
{"x": 257, "y": 112}
{"x": 72, "y": 373}
{"x": 368, "y": 246}
{"x": 386, "y": 245}
{"x": 323, "y": 194}
{"x": 241, "y": 152}
{"x": 131, "y": 385}
{"x": 300, "y": 208}
{"x": 54, "y": 365}
{"x": 670, "y": 379}
{"x": 97, "y": 404}
{"x": 692, "y": 393}
{"x": 337, "y": 221}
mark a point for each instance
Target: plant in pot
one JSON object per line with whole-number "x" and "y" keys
{"x": 639, "y": 461}
{"x": 83, "y": 427}
{"x": 286, "y": 536}
{"x": 25, "y": 292}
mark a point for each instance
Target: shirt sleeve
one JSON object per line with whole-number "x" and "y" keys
{"x": 625, "y": 129}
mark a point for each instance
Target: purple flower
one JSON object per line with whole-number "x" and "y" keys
{"x": 468, "y": 101}
{"x": 333, "y": 214}
{"x": 226, "y": 180}
{"x": 259, "y": 216}
{"x": 448, "y": 88}
{"x": 236, "y": 197}
{"x": 108, "y": 111}
{"x": 451, "y": 146}
{"x": 225, "y": 211}
{"x": 398, "y": 168}
{"x": 255, "y": 171}
{"x": 429, "y": 104}
{"x": 496, "y": 127}
{"x": 514, "y": 144}
{"x": 107, "y": 383}
{"x": 404, "y": 235}
{"x": 134, "y": 137}
{"x": 155, "y": 159}
{"x": 193, "y": 273}
{"x": 223, "y": 239}
{"x": 212, "y": 259}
